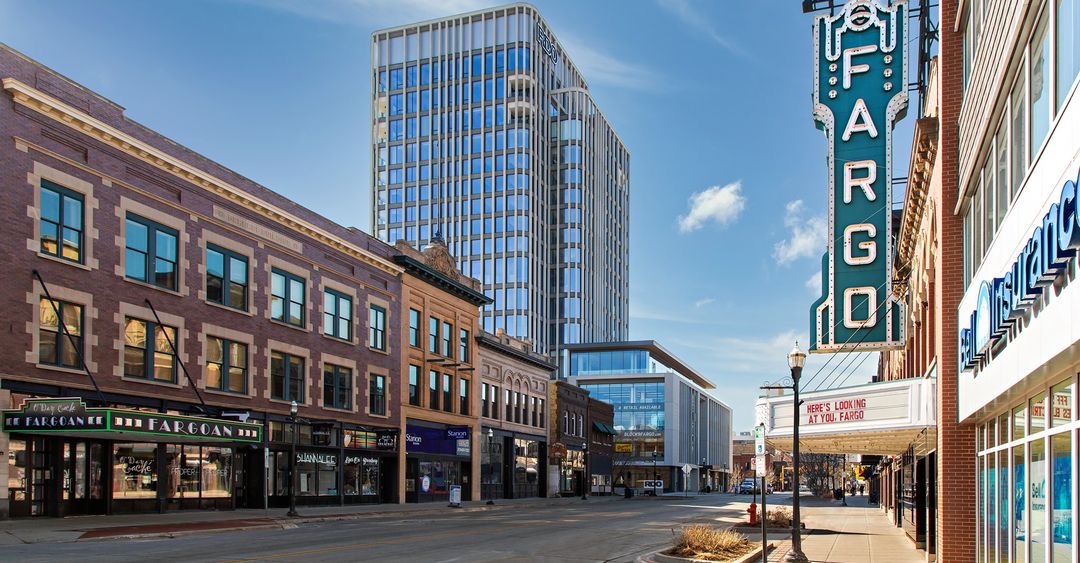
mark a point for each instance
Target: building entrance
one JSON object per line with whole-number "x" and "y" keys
{"x": 57, "y": 477}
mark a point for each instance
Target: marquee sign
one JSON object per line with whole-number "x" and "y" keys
{"x": 1002, "y": 300}
{"x": 860, "y": 82}
{"x": 71, "y": 416}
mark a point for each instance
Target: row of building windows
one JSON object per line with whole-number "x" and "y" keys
{"x": 461, "y": 188}
{"x": 475, "y": 206}
{"x": 441, "y": 337}
{"x": 439, "y": 397}
{"x": 448, "y": 122}
{"x": 508, "y": 162}
{"x": 150, "y": 353}
{"x": 1025, "y": 122}
{"x": 423, "y": 74}
{"x": 510, "y": 224}
{"x": 463, "y": 94}
{"x": 151, "y": 252}
{"x": 573, "y": 424}
{"x": 517, "y": 407}
{"x": 398, "y": 153}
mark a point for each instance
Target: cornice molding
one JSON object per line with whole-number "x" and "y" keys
{"x": 79, "y": 121}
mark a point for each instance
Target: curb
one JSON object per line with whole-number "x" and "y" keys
{"x": 659, "y": 557}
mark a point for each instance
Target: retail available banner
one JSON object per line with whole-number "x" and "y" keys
{"x": 860, "y": 93}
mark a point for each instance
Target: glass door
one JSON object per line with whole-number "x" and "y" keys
{"x": 83, "y": 474}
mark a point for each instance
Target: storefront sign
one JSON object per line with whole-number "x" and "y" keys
{"x": 641, "y": 434}
{"x": 316, "y": 457}
{"x": 457, "y": 433}
{"x": 842, "y": 410}
{"x": 623, "y": 448}
{"x": 1004, "y": 299}
{"x": 860, "y": 86}
{"x": 421, "y": 439}
{"x": 70, "y": 415}
{"x": 386, "y": 439}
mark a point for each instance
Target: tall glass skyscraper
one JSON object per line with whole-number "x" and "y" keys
{"x": 485, "y": 133}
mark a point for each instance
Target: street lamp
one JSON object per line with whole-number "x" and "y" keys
{"x": 491, "y": 466}
{"x": 586, "y": 479}
{"x": 293, "y": 409}
{"x": 655, "y": 475}
{"x": 796, "y": 360}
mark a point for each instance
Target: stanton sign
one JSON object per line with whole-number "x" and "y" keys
{"x": 1005, "y": 299}
{"x": 860, "y": 82}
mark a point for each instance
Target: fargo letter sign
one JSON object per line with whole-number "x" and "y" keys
{"x": 860, "y": 82}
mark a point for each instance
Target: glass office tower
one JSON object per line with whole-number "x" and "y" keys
{"x": 485, "y": 133}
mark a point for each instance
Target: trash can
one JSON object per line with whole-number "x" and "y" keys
{"x": 629, "y": 492}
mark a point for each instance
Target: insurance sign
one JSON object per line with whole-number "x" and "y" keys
{"x": 860, "y": 82}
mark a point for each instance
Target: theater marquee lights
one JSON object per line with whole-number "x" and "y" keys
{"x": 860, "y": 82}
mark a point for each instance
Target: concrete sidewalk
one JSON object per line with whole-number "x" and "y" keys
{"x": 856, "y": 533}
{"x": 45, "y": 530}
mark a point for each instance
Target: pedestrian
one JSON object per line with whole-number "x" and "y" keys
{"x": 861, "y": 489}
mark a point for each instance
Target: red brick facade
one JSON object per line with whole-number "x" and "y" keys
{"x": 956, "y": 501}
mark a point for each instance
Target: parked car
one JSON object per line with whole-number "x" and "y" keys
{"x": 748, "y": 487}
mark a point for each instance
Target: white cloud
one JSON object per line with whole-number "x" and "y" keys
{"x": 809, "y": 236}
{"x": 645, "y": 314}
{"x": 601, "y": 68}
{"x": 703, "y": 302}
{"x": 694, "y": 19}
{"x": 813, "y": 283}
{"x": 721, "y": 204}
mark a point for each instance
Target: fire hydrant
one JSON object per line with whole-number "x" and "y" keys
{"x": 753, "y": 513}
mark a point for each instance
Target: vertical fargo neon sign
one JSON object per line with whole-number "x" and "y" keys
{"x": 860, "y": 82}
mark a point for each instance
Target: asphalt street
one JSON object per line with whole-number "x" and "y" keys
{"x": 617, "y": 530}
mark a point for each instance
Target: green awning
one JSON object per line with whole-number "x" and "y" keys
{"x": 71, "y": 417}
{"x": 604, "y": 428}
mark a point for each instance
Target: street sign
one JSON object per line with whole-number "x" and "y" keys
{"x": 687, "y": 468}
{"x": 860, "y": 92}
{"x": 759, "y": 440}
{"x": 759, "y": 465}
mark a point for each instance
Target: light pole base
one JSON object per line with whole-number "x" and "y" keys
{"x": 292, "y": 514}
{"x": 796, "y": 556}
{"x": 490, "y": 502}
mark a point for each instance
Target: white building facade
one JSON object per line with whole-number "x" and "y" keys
{"x": 1019, "y": 316}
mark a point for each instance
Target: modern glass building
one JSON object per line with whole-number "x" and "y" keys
{"x": 486, "y": 133}
{"x": 665, "y": 419}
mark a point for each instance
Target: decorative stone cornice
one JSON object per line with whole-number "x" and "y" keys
{"x": 77, "y": 120}
{"x": 921, "y": 169}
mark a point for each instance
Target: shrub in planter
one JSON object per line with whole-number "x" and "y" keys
{"x": 711, "y": 544}
{"x": 780, "y": 517}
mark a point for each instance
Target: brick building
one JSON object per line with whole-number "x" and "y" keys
{"x": 567, "y": 429}
{"x": 514, "y": 384}
{"x": 164, "y": 313}
{"x": 439, "y": 399}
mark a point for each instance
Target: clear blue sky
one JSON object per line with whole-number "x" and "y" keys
{"x": 728, "y": 195}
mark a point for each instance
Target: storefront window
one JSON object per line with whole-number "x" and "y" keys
{"x": 1037, "y": 457}
{"x": 1061, "y": 517}
{"x": 1019, "y": 422}
{"x": 134, "y": 473}
{"x": 1019, "y": 504}
{"x": 217, "y": 467}
{"x": 1038, "y": 413}
{"x": 991, "y": 507}
{"x": 1004, "y": 522}
{"x": 1061, "y": 403}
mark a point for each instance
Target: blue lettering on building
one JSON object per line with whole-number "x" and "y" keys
{"x": 1002, "y": 300}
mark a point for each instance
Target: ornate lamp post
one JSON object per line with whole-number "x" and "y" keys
{"x": 293, "y": 410}
{"x": 796, "y": 360}
{"x": 491, "y": 466}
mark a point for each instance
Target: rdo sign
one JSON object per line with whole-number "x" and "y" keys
{"x": 859, "y": 94}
